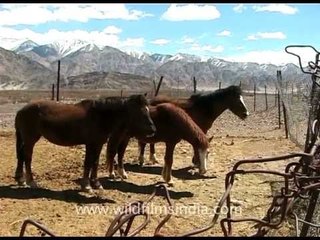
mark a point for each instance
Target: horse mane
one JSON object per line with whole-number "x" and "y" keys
{"x": 105, "y": 103}
{"x": 109, "y": 103}
{"x": 203, "y": 99}
{"x": 184, "y": 103}
{"x": 208, "y": 98}
{"x": 185, "y": 123}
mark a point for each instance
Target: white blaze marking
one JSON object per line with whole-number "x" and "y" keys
{"x": 241, "y": 100}
{"x": 203, "y": 160}
{"x": 314, "y": 126}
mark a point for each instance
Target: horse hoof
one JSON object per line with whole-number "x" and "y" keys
{"x": 202, "y": 172}
{"x": 22, "y": 183}
{"x": 112, "y": 175}
{"x": 170, "y": 184}
{"x": 153, "y": 160}
{"x": 156, "y": 162}
{"x": 152, "y": 163}
{"x": 33, "y": 184}
{"x": 141, "y": 160}
{"x": 87, "y": 189}
{"x": 96, "y": 185}
{"x": 123, "y": 175}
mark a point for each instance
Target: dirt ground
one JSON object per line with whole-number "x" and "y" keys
{"x": 58, "y": 169}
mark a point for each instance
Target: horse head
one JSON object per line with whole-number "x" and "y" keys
{"x": 141, "y": 123}
{"x": 201, "y": 157}
{"x": 235, "y": 102}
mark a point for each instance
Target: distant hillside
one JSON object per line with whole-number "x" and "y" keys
{"x": 85, "y": 65}
{"x": 19, "y": 72}
{"x": 109, "y": 80}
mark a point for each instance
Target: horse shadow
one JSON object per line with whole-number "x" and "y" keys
{"x": 70, "y": 195}
{"x": 129, "y": 187}
{"x": 182, "y": 173}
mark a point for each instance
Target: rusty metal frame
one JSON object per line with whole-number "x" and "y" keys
{"x": 296, "y": 185}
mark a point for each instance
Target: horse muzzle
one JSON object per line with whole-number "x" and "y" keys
{"x": 245, "y": 115}
{"x": 150, "y": 135}
{"x": 152, "y": 132}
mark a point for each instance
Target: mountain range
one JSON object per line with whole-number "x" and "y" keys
{"x": 86, "y": 65}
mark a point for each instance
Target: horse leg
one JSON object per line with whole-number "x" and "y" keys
{"x": 195, "y": 159}
{"x": 19, "y": 176}
{"x": 121, "y": 150}
{"x": 142, "y": 147}
{"x": 110, "y": 162}
{"x": 28, "y": 151}
{"x": 88, "y": 163}
{"x": 152, "y": 158}
{"x": 95, "y": 183}
{"x": 113, "y": 144}
{"x": 168, "y": 160}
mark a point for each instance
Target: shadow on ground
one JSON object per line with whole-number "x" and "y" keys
{"x": 128, "y": 187}
{"x": 182, "y": 173}
{"x": 70, "y": 195}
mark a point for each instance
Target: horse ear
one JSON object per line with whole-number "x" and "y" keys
{"x": 210, "y": 139}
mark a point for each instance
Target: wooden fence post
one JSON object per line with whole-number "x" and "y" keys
{"x": 279, "y": 110}
{"x": 52, "y": 92}
{"x": 194, "y": 85}
{"x": 254, "y": 97}
{"x": 159, "y": 84}
{"x": 285, "y": 120}
{"x": 58, "y": 81}
{"x": 266, "y": 96}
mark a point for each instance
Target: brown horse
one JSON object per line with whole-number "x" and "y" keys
{"x": 173, "y": 124}
{"x": 204, "y": 109}
{"x": 88, "y": 122}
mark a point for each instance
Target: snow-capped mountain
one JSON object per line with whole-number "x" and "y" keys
{"x": 160, "y": 58}
{"x": 140, "y": 55}
{"x": 81, "y": 57}
{"x": 89, "y": 47}
{"x": 25, "y": 46}
{"x": 185, "y": 57}
{"x": 66, "y": 47}
{"x": 60, "y": 48}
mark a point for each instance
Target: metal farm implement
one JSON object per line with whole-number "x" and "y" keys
{"x": 301, "y": 180}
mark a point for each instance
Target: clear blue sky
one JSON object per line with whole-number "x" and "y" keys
{"x": 240, "y": 32}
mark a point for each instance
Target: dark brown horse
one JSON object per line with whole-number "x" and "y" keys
{"x": 173, "y": 124}
{"x": 89, "y": 122}
{"x": 204, "y": 109}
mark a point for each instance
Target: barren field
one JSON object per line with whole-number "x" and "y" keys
{"x": 58, "y": 169}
